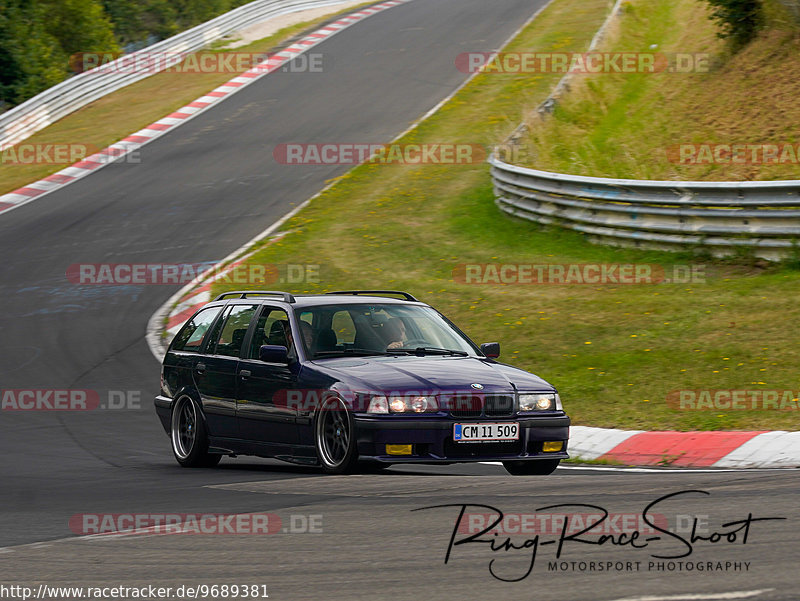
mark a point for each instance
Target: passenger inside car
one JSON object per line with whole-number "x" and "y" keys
{"x": 326, "y": 341}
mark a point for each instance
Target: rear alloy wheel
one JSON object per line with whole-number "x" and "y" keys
{"x": 334, "y": 437}
{"x": 541, "y": 467}
{"x": 188, "y": 436}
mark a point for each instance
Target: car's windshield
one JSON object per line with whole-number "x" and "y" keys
{"x": 378, "y": 329}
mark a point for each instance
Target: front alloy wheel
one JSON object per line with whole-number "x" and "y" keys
{"x": 189, "y": 437}
{"x": 334, "y": 437}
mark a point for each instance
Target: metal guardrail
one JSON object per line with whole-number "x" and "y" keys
{"x": 78, "y": 91}
{"x": 793, "y": 7}
{"x": 763, "y": 217}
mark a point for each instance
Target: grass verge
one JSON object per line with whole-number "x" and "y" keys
{"x": 631, "y": 125}
{"x": 592, "y": 462}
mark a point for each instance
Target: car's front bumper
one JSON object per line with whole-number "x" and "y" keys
{"x": 432, "y": 439}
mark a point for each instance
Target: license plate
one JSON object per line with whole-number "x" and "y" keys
{"x": 485, "y": 432}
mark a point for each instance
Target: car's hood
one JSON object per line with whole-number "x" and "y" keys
{"x": 430, "y": 374}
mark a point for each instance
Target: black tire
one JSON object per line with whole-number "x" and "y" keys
{"x": 540, "y": 467}
{"x": 189, "y": 437}
{"x": 334, "y": 437}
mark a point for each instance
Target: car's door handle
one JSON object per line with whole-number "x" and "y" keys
{"x": 244, "y": 374}
{"x": 200, "y": 368}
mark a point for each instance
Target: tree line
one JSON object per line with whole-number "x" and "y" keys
{"x": 38, "y": 37}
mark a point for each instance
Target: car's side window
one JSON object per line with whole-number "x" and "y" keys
{"x": 272, "y": 328}
{"x": 213, "y": 333}
{"x": 232, "y": 333}
{"x": 191, "y": 336}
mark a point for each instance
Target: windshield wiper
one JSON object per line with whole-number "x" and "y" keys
{"x": 351, "y": 352}
{"x": 428, "y": 350}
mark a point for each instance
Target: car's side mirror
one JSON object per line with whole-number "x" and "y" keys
{"x": 270, "y": 353}
{"x": 491, "y": 349}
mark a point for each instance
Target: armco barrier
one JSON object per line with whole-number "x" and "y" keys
{"x": 78, "y": 91}
{"x": 758, "y": 217}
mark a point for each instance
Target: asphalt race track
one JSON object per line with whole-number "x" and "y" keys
{"x": 199, "y": 193}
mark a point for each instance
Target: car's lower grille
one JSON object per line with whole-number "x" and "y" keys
{"x": 466, "y": 413}
{"x": 499, "y": 406}
{"x": 481, "y": 449}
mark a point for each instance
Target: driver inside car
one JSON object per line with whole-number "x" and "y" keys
{"x": 395, "y": 332}
{"x": 307, "y": 333}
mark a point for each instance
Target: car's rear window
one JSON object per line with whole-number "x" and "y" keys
{"x": 191, "y": 336}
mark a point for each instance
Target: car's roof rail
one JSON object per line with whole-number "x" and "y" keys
{"x": 285, "y": 296}
{"x": 405, "y": 295}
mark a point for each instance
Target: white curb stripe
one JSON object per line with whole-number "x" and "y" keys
{"x": 702, "y": 596}
{"x": 771, "y": 449}
{"x": 592, "y": 443}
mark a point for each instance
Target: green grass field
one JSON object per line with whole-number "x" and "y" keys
{"x": 631, "y": 125}
{"x": 615, "y": 352}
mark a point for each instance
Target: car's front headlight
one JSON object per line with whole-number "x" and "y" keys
{"x": 378, "y": 404}
{"x": 530, "y": 402}
{"x": 403, "y": 404}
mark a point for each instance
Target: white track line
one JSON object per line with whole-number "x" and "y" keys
{"x": 701, "y": 596}
{"x": 649, "y": 470}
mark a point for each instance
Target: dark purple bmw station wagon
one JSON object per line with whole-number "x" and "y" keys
{"x": 349, "y": 380}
